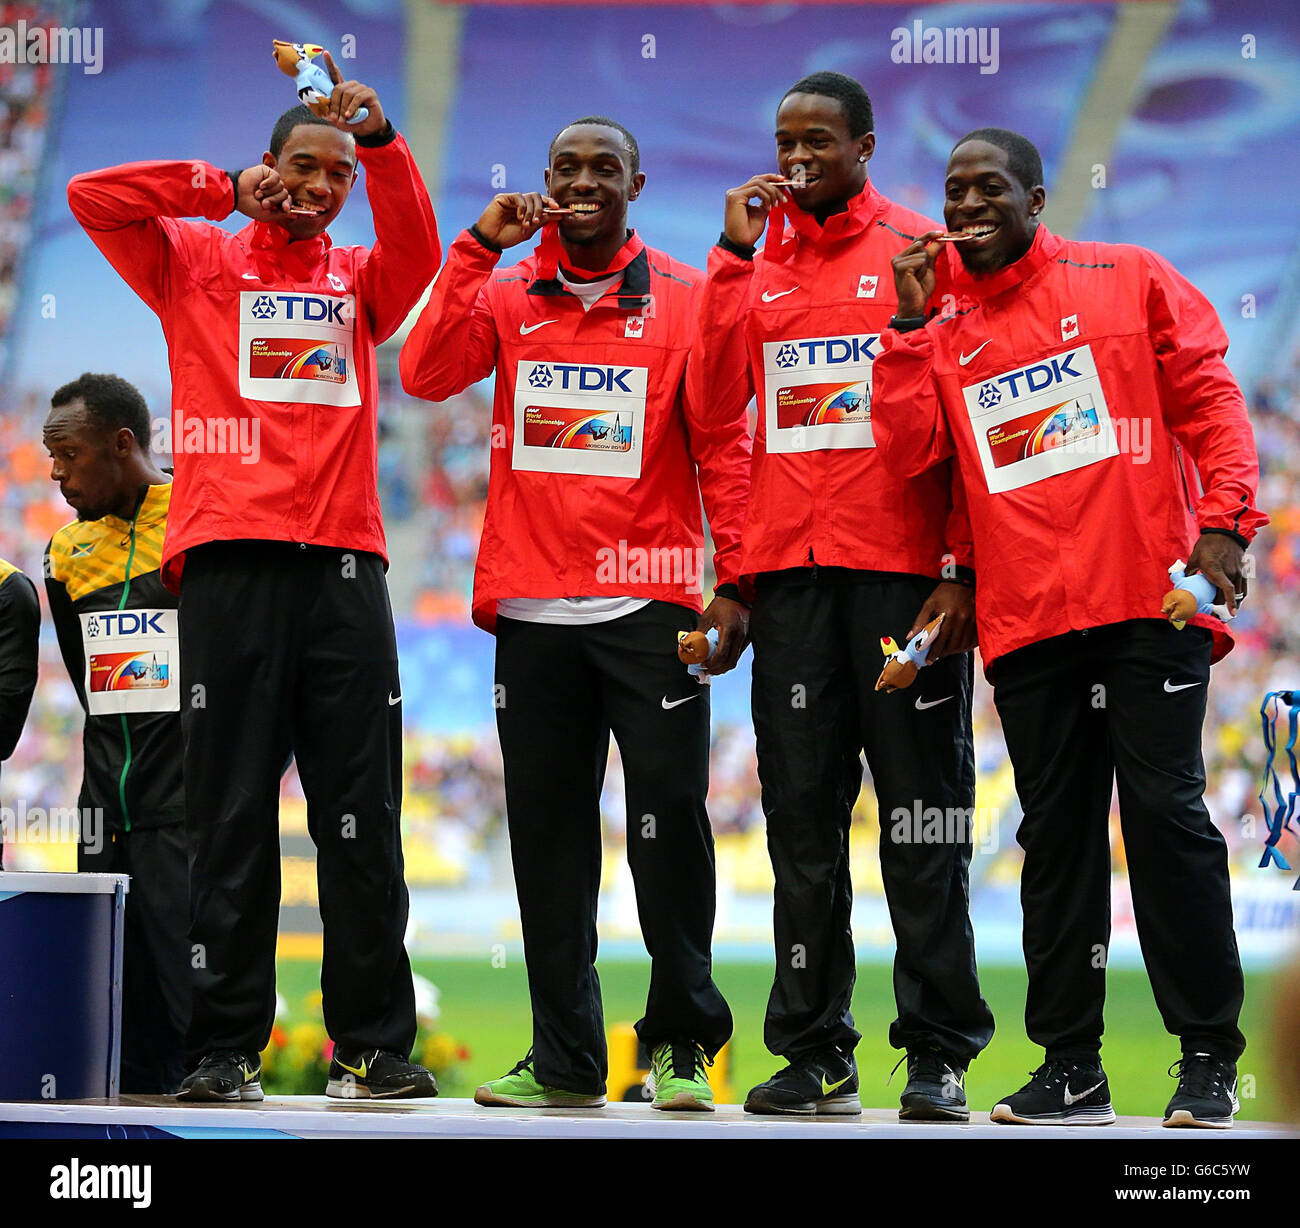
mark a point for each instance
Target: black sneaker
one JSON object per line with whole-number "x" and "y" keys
{"x": 1207, "y": 1092}
{"x": 1061, "y": 1092}
{"x": 377, "y": 1075}
{"x": 824, "y": 1083}
{"x": 226, "y": 1074}
{"x": 936, "y": 1088}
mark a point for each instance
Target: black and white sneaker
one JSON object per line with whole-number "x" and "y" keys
{"x": 1207, "y": 1092}
{"x": 936, "y": 1088}
{"x": 224, "y": 1075}
{"x": 826, "y": 1083}
{"x": 377, "y": 1075}
{"x": 1061, "y": 1092}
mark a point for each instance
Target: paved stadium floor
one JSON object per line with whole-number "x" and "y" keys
{"x": 321, "y": 1117}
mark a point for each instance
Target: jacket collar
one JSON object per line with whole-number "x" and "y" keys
{"x": 1042, "y": 250}
{"x": 863, "y": 209}
{"x": 152, "y": 503}
{"x": 631, "y": 260}
{"x": 275, "y": 246}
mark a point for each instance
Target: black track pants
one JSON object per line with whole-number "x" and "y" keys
{"x": 561, "y": 691}
{"x": 816, "y": 638}
{"x": 294, "y": 651}
{"x": 1082, "y": 711}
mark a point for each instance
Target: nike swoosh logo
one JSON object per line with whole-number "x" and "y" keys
{"x": 965, "y": 358}
{"x": 827, "y": 1088}
{"x": 921, "y": 705}
{"x": 361, "y": 1074}
{"x": 677, "y": 702}
{"x": 525, "y": 329}
{"x": 249, "y": 276}
{"x": 391, "y": 703}
{"x": 1069, "y": 1099}
{"x": 1182, "y": 686}
{"x": 769, "y": 298}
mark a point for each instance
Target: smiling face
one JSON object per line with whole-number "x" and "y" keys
{"x": 318, "y": 166}
{"x": 983, "y": 196}
{"x": 591, "y": 174}
{"x": 87, "y": 459}
{"x": 813, "y": 143}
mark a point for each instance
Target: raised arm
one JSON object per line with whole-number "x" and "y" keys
{"x": 130, "y": 213}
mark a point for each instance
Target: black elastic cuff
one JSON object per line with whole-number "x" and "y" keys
{"x": 377, "y": 139}
{"x": 1237, "y": 537}
{"x": 960, "y": 575}
{"x": 906, "y": 324}
{"x": 478, "y": 234}
{"x": 233, "y": 176}
{"x": 731, "y": 592}
{"x": 743, "y": 250}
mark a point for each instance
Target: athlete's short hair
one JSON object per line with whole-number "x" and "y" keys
{"x": 630, "y": 146}
{"x": 110, "y": 401}
{"x": 1023, "y": 158}
{"x": 287, "y": 122}
{"x": 846, "y": 91}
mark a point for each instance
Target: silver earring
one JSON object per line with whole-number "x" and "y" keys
{"x": 862, "y": 159}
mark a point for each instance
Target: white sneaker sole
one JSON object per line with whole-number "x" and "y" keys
{"x": 1182, "y": 1119}
{"x": 555, "y": 1100}
{"x": 1095, "y": 1115}
{"x": 685, "y": 1102}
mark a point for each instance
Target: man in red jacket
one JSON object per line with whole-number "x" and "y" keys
{"x": 845, "y": 551}
{"x": 589, "y": 567}
{"x": 276, "y": 543}
{"x": 1109, "y": 349}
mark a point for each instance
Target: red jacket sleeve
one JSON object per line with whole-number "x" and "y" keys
{"x": 907, "y": 418}
{"x": 718, "y": 391}
{"x": 719, "y": 368}
{"x": 454, "y": 342}
{"x": 130, "y": 214}
{"x": 959, "y": 541}
{"x": 1203, "y": 404}
{"x": 405, "y": 256}
{"x": 718, "y": 431}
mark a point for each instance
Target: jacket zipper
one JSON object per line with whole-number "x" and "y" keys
{"x": 126, "y": 732}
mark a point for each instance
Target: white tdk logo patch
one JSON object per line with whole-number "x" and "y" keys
{"x": 1039, "y": 420}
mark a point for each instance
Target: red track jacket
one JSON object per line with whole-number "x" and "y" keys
{"x": 800, "y": 325}
{"x": 1077, "y": 388}
{"x": 271, "y": 344}
{"x": 593, "y": 487}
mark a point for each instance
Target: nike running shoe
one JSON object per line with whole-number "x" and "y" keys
{"x": 826, "y": 1083}
{"x": 1207, "y": 1092}
{"x": 224, "y": 1075}
{"x": 677, "y": 1077}
{"x": 520, "y": 1090}
{"x": 936, "y": 1088}
{"x": 374, "y": 1074}
{"x": 1061, "y": 1092}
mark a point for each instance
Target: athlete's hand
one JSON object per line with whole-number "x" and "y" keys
{"x": 1220, "y": 559}
{"x": 346, "y": 100}
{"x": 914, "y": 276}
{"x": 732, "y": 621}
{"x": 744, "y": 223}
{"x": 958, "y": 633}
{"x": 513, "y": 217}
{"x": 259, "y": 193}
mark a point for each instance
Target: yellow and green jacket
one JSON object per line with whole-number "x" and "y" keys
{"x": 117, "y": 630}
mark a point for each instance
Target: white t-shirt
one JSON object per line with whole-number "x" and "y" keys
{"x": 590, "y": 291}
{"x": 571, "y": 611}
{"x": 574, "y": 611}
